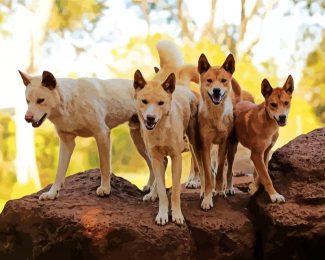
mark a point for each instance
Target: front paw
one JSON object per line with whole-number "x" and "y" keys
{"x": 151, "y": 196}
{"x": 277, "y": 198}
{"x": 102, "y": 191}
{"x": 50, "y": 195}
{"x": 146, "y": 188}
{"x": 177, "y": 217}
{"x": 252, "y": 188}
{"x": 207, "y": 202}
{"x": 230, "y": 192}
{"x": 193, "y": 183}
{"x": 221, "y": 193}
{"x": 162, "y": 217}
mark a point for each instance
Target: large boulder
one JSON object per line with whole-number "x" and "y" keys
{"x": 81, "y": 225}
{"x": 295, "y": 229}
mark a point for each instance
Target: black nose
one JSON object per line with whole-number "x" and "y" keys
{"x": 151, "y": 119}
{"x": 216, "y": 91}
{"x": 282, "y": 118}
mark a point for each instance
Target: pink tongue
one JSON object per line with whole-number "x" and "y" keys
{"x": 216, "y": 99}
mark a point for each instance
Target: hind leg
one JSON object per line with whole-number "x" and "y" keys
{"x": 193, "y": 181}
{"x": 141, "y": 148}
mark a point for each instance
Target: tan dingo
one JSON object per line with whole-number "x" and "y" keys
{"x": 257, "y": 128}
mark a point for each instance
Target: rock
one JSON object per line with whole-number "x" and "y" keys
{"x": 121, "y": 226}
{"x": 80, "y": 225}
{"x": 295, "y": 229}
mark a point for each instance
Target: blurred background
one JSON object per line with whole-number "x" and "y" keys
{"x": 111, "y": 39}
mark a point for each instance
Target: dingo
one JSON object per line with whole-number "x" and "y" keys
{"x": 257, "y": 128}
{"x": 82, "y": 107}
{"x": 167, "y": 112}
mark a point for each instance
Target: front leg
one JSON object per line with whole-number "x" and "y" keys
{"x": 104, "y": 150}
{"x": 177, "y": 215}
{"x": 207, "y": 202}
{"x": 264, "y": 177}
{"x": 67, "y": 144}
{"x": 222, "y": 152}
{"x": 232, "y": 149}
{"x": 159, "y": 172}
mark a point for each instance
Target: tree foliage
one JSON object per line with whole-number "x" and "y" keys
{"x": 73, "y": 14}
{"x": 312, "y": 84}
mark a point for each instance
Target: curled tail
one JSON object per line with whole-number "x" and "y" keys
{"x": 169, "y": 55}
{"x": 187, "y": 74}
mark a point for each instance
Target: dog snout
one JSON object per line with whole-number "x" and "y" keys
{"x": 216, "y": 91}
{"x": 282, "y": 118}
{"x": 29, "y": 118}
{"x": 151, "y": 119}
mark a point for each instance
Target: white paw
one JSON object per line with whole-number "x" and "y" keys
{"x": 146, "y": 188}
{"x": 151, "y": 196}
{"x": 221, "y": 193}
{"x": 50, "y": 195}
{"x": 193, "y": 183}
{"x": 178, "y": 217}
{"x": 162, "y": 217}
{"x": 252, "y": 188}
{"x": 230, "y": 192}
{"x": 102, "y": 191}
{"x": 278, "y": 198}
{"x": 207, "y": 202}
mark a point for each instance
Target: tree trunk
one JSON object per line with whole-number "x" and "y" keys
{"x": 34, "y": 22}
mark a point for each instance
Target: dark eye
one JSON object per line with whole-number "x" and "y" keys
{"x": 144, "y": 101}
{"x": 209, "y": 80}
{"x": 274, "y": 105}
{"x": 160, "y": 103}
{"x": 27, "y": 101}
{"x": 286, "y": 103}
{"x": 40, "y": 100}
{"x": 223, "y": 80}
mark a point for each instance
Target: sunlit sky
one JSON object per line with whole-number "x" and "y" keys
{"x": 279, "y": 35}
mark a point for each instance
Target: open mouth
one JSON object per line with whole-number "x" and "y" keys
{"x": 39, "y": 122}
{"x": 150, "y": 125}
{"x": 216, "y": 99}
{"x": 280, "y": 122}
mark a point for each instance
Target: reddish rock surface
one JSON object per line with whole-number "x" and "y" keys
{"x": 79, "y": 225}
{"x": 295, "y": 229}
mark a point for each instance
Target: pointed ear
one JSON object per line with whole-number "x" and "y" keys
{"x": 156, "y": 69}
{"x": 289, "y": 85}
{"x": 229, "y": 64}
{"x": 139, "y": 82}
{"x": 266, "y": 88}
{"x": 169, "y": 83}
{"x": 203, "y": 64}
{"x": 26, "y": 78}
{"x": 48, "y": 80}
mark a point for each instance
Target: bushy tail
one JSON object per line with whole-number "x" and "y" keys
{"x": 187, "y": 74}
{"x": 169, "y": 55}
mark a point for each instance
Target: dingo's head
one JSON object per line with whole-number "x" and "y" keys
{"x": 277, "y": 100}
{"x": 215, "y": 82}
{"x": 41, "y": 96}
{"x": 153, "y": 98}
